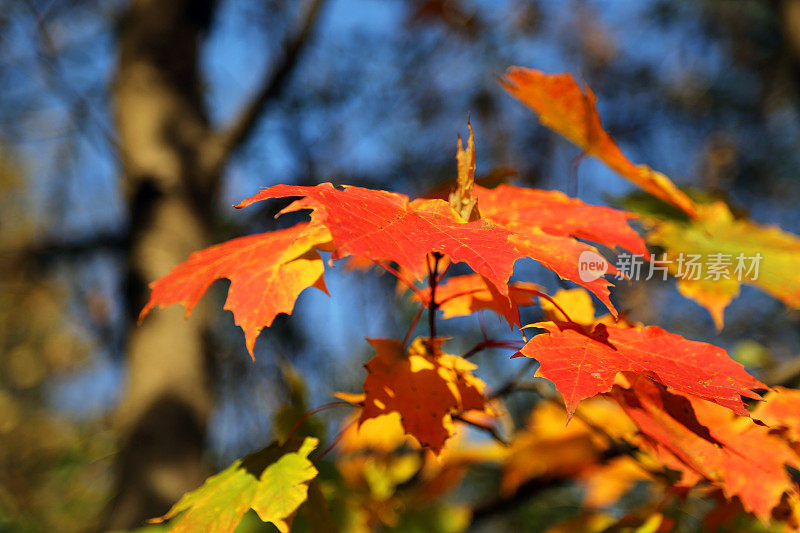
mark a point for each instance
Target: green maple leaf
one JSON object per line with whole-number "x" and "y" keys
{"x": 221, "y": 502}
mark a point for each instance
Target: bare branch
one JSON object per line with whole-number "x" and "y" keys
{"x": 224, "y": 143}
{"x": 785, "y": 375}
{"x": 59, "y": 83}
{"x": 44, "y": 253}
{"x": 490, "y": 343}
{"x": 525, "y": 492}
{"x": 513, "y": 384}
{"x": 536, "y": 486}
{"x": 490, "y": 430}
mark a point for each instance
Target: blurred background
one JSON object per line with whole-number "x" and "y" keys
{"x": 128, "y": 130}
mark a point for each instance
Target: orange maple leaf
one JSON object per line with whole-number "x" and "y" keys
{"x": 468, "y": 293}
{"x": 564, "y": 107}
{"x": 267, "y": 271}
{"x": 705, "y": 441}
{"x": 781, "y": 411}
{"x": 425, "y": 386}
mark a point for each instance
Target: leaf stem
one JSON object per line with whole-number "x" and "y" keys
{"x": 305, "y": 417}
{"x": 335, "y": 441}
{"x": 444, "y": 270}
{"x": 393, "y": 271}
{"x": 512, "y": 384}
{"x": 458, "y": 295}
{"x": 413, "y": 324}
{"x": 552, "y": 301}
{"x": 490, "y": 343}
{"x": 488, "y": 429}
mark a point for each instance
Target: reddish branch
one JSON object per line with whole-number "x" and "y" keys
{"x": 410, "y": 284}
{"x": 333, "y": 443}
{"x": 490, "y": 343}
{"x": 549, "y": 299}
{"x": 413, "y": 325}
{"x": 491, "y": 430}
{"x": 305, "y": 417}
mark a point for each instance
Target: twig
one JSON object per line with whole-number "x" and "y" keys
{"x": 394, "y": 272}
{"x": 58, "y": 81}
{"x": 490, "y": 343}
{"x": 313, "y": 412}
{"x": 237, "y": 132}
{"x": 333, "y": 443}
{"x": 488, "y": 429}
{"x": 432, "y": 305}
{"x": 512, "y": 384}
{"x": 413, "y": 325}
{"x": 524, "y": 492}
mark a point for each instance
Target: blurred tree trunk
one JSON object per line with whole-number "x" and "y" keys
{"x": 172, "y": 161}
{"x": 162, "y": 130}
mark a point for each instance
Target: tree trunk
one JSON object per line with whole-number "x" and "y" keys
{"x": 162, "y": 128}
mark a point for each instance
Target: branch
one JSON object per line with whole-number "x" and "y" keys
{"x": 490, "y": 343}
{"x": 491, "y": 430}
{"x": 785, "y": 375}
{"x": 513, "y": 384}
{"x": 60, "y": 84}
{"x": 537, "y": 485}
{"x": 525, "y": 492}
{"x": 334, "y": 442}
{"x": 223, "y": 144}
{"x": 413, "y": 325}
{"x": 46, "y": 252}
{"x": 308, "y": 414}
{"x": 432, "y": 305}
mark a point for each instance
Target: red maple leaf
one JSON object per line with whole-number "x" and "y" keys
{"x": 555, "y": 213}
{"x": 705, "y": 441}
{"x": 545, "y": 224}
{"x": 384, "y": 226}
{"x": 562, "y": 256}
{"x": 583, "y": 364}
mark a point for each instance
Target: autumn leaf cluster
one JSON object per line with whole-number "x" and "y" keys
{"x": 644, "y": 406}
